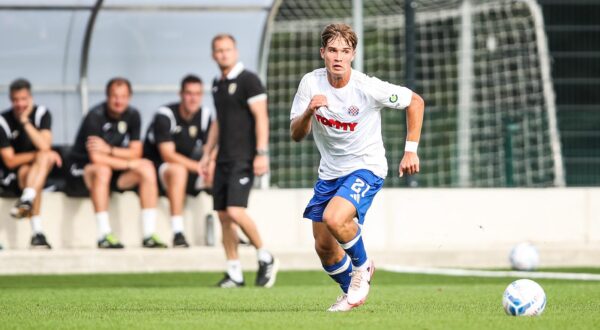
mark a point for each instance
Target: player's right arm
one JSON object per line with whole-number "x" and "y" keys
{"x": 300, "y": 125}
{"x": 100, "y": 152}
{"x": 13, "y": 160}
{"x": 169, "y": 154}
{"x": 7, "y": 152}
{"x": 303, "y": 108}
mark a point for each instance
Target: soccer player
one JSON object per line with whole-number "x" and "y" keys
{"x": 242, "y": 132}
{"x": 26, "y": 154}
{"x": 107, "y": 156}
{"x": 342, "y": 107}
{"x": 174, "y": 144}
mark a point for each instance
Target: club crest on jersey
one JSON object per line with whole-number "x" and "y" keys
{"x": 232, "y": 88}
{"x": 122, "y": 127}
{"x": 353, "y": 110}
{"x": 393, "y": 98}
{"x": 193, "y": 131}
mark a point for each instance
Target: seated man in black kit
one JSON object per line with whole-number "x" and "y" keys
{"x": 174, "y": 144}
{"x": 107, "y": 155}
{"x": 26, "y": 156}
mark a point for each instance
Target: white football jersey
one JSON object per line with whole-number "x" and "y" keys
{"x": 348, "y": 131}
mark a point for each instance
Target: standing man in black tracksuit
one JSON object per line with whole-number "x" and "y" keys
{"x": 241, "y": 132}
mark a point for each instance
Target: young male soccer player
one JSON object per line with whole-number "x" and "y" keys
{"x": 26, "y": 155}
{"x": 342, "y": 107}
{"x": 242, "y": 132}
{"x": 107, "y": 156}
{"x": 174, "y": 143}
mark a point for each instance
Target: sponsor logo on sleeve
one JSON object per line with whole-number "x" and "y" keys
{"x": 393, "y": 98}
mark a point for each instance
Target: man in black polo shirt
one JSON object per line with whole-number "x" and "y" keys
{"x": 107, "y": 156}
{"x": 26, "y": 154}
{"x": 242, "y": 132}
{"x": 174, "y": 144}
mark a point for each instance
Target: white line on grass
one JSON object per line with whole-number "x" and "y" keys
{"x": 490, "y": 273}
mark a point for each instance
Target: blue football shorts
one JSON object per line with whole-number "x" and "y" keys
{"x": 358, "y": 187}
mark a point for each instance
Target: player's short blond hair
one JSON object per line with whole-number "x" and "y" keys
{"x": 338, "y": 30}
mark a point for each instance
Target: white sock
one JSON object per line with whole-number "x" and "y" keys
{"x": 36, "y": 224}
{"x": 148, "y": 222}
{"x": 102, "y": 224}
{"x": 264, "y": 255}
{"x": 177, "y": 224}
{"x": 28, "y": 194}
{"x": 234, "y": 269}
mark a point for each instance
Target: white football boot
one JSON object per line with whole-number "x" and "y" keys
{"x": 360, "y": 285}
{"x": 341, "y": 304}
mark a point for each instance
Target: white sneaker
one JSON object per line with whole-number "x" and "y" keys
{"x": 360, "y": 285}
{"x": 341, "y": 304}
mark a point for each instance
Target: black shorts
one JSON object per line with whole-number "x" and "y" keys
{"x": 232, "y": 183}
{"x": 9, "y": 183}
{"x": 75, "y": 185}
{"x": 190, "y": 188}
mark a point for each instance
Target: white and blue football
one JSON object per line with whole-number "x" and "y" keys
{"x": 524, "y": 298}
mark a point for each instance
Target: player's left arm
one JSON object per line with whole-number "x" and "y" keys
{"x": 133, "y": 151}
{"x": 135, "y": 148}
{"x": 261, "y": 119}
{"x": 41, "y": 137}
{"x": 414, "y": 122}
{"x": 257, "y": 101}
{"x": 13, "y": 160}
{"x": 120, "y": 158}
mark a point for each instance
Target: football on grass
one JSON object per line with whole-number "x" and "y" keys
{"x": 524, "y": 298}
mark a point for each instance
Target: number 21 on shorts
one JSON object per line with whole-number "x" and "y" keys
{"x": 360, "y": 188}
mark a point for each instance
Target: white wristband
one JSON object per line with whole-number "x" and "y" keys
{"x": 411, "y": 146}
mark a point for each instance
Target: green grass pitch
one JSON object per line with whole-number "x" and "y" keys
{"x": 298, "y": 301}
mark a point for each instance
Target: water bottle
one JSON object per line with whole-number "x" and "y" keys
{"x": 209, "y": 230}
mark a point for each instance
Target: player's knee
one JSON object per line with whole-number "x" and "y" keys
{"x": 100, "y": 174}
{"x": 235, "y": 213}
{"x": 44, "y": 157}
{"x": 333, "y": 219}
{"x": 224, "y": 218}
{"x": 176, "y": 172}
{"x": 146, "y": 170}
